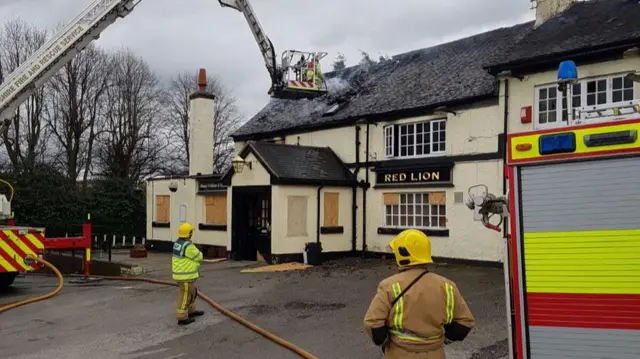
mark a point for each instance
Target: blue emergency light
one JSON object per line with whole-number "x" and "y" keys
{"x": 557, "y": 143}
{"x": 567, "y": 71}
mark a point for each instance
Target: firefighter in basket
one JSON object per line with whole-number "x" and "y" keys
{"x": 315, "y": 76}
{"x": 415, "y": 312}
{"x": 186, "y": 262}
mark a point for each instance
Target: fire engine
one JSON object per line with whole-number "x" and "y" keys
{"x": 296, "y": 76}
{"x": 572, "y": 259}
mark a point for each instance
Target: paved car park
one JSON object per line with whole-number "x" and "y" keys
{"x": 319, "y": 309}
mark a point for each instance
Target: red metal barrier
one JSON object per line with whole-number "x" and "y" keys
{"x": 71, "y": 243}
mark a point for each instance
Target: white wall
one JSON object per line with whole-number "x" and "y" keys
{"x": 184, "y": 196}
{"x": 283, "y": 244}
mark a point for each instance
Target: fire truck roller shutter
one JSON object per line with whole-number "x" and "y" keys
{"x": 581, "y": 226}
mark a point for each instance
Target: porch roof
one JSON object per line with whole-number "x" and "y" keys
{"x": 293, "y": 164}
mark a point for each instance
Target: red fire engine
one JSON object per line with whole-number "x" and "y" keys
{"x": 572, "y": 267}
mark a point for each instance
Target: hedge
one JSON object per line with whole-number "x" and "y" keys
{"x": 46, "y": 198}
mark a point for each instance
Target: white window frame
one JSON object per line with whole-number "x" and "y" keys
{"x": 388, "y": 212}
{"x": 583, "y": 99}
{"x": 389, "y": 139}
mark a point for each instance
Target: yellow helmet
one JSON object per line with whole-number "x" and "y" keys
{"x": 185, "y": 231}
{"x": 411, "y": 247}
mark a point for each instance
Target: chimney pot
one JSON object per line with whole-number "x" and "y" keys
{"x": 202, "y": 80}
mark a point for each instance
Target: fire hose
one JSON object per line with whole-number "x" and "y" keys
{"x": 301, "y": 352}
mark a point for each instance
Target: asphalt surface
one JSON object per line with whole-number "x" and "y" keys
{"x": 320, "y": 310}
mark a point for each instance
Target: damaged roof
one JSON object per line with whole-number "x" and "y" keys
{"x": 293, "y": 164}
{"x": 584, "y": 27}
{"x": 416, "y": 80}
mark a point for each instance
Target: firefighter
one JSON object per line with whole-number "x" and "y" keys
{"x": 186, "y": 262}
{"x": 316, "y": 76}
{"x": 429, "y": 310}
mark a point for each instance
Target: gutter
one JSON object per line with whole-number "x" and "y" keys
{"x": 504, "y": 144}
{"x": 318, "y": 215}
{"x": 364, "y": 195}
{"x": 354, "y": 193}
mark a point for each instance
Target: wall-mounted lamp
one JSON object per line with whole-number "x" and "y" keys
{"x": 173, "y": 186}
{"x": 239, "y": 163}
{"x": 443, "y": 110}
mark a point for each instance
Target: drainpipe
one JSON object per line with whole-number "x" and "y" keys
{"x": 354, "y": 193}
{"x": 364, "y": 195}
{"x": 318, "y": 215}
{"x": 504, "y": 146}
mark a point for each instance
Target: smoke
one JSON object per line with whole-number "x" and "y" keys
{"x": 338, "y": 85}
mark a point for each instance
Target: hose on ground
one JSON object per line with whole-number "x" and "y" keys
{"x": 301, "y": 352}
{"x": 42, "y": 297}
{"x": 292, "y": 347}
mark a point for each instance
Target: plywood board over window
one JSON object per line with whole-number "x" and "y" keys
{"x": 331, "y": 209}
{"x": 391, "y": 199}
{"x": 163, "y": 205}
{"x": 437, "y": 198}
{"x": 215, "y": 209}
{"x": 297, "y": 216}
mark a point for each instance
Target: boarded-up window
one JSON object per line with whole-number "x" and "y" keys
{"x": 331, "y": 209}
{"x": 163, "y": 206}
{"x": 215, "y": 209}
{"x": 391, "y": 199}
{"x": 296, "y": 216}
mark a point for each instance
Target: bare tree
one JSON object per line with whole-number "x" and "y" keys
{"x": 24, "y": 138}
{"x": 131, "y": 143}
{"x": 227, "y": 119}
{"x": 77, "y": 102}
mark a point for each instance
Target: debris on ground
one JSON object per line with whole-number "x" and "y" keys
{"x": 277, "y": 268}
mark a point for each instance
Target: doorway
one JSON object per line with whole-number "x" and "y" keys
{"x": 251, "y": 223}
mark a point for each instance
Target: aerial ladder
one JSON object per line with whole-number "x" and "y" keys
{"x": 298, "y": 75}
{"x": 289, "y": 80}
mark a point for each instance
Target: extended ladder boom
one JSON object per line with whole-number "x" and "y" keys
{"x": 58, "y": 51}
{"x": 266, "y": 47}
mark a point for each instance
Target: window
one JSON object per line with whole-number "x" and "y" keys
{"x": 418, "y": 139}
{"x": 415, "y": 210}
{"x": 163, "y": 208}
{"x": 215, "y": 209}
{"x": 589, "y": 92}
{"x": 331, "y": 209}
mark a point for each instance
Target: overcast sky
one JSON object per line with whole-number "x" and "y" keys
{"x": 175, "y": 35}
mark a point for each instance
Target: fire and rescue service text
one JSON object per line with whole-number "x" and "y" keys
{"x": 43, "y": 62}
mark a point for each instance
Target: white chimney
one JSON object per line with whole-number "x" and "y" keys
{"x": 546, "y": 9}
{"x": 201, "y": 126}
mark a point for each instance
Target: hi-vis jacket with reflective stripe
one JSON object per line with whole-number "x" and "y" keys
{"x": 419, "y": 318}
{"x": 185, "y": 261}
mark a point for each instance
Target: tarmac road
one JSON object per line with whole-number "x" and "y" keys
{"x": 320, "y": 310}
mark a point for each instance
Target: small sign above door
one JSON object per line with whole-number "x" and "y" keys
{"x": 211, "y": 185}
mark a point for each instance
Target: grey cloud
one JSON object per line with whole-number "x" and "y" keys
{"x": 189, "y": 34}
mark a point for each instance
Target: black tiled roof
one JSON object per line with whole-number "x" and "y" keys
{"x": 585, "y": 26}
{"x": 302, "y": 164}
{"x": 418, "y": 79}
